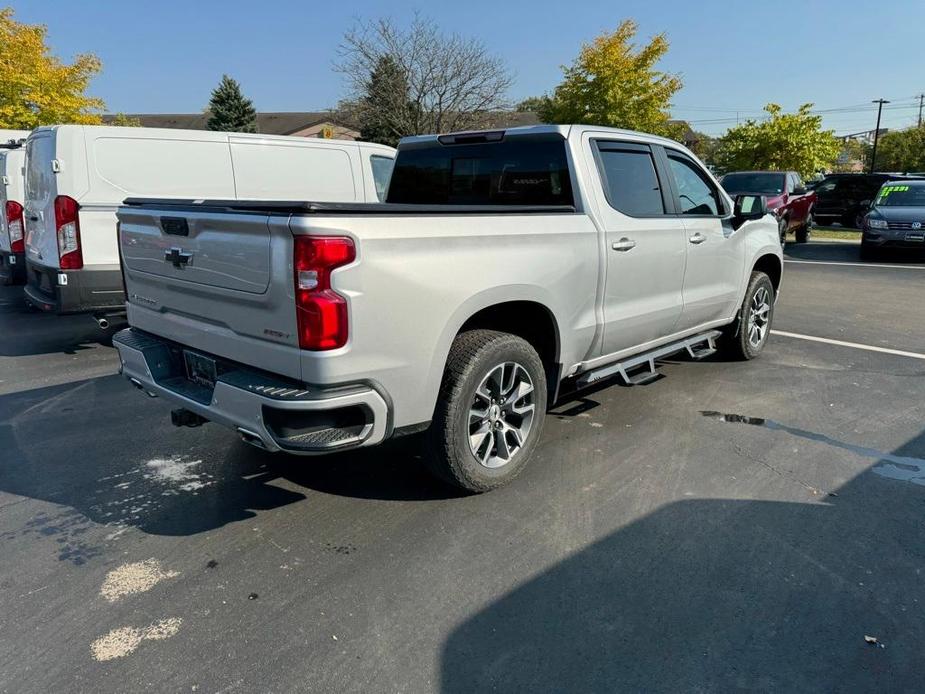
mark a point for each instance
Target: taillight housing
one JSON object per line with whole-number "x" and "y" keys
{"x": 321, "y": 312}
{"x": 14, "y": 224}
{"x": 67, "y": 224}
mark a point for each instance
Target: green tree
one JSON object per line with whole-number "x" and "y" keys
{"x": 36, "y": 88}
{"x": 124, "y": 121}
{"x": 704, "y": 146}
{"x": 229, "y": 110}
{"x": 902, "y": 150}
{"x": 614, "y": 83}
{"x": 780, "y": 142}
{"x": 534, "y": 104}
{"x": 383, "y": 107}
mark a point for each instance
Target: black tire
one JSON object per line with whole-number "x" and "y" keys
{"x": 782, "y": 226}
{"x": 868, "y": 252}
{"x": 806, "y": 229}
{"x": 737, "y": 339}
{"x": 474, "y": 356}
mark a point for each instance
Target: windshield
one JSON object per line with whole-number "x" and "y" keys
{"x": 763, "y": 183}
{"x": 902, "y": 195}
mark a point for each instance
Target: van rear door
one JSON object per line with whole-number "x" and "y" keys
{"x": 41, "y": 189}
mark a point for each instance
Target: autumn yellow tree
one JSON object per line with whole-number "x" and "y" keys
{"x": 37, "y": 88}
{"x": 615, "y": 83}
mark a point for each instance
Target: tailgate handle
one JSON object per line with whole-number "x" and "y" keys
{"x": 175, "y": 226}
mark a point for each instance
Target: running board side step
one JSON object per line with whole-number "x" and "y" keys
{"x": 697, "y": 347}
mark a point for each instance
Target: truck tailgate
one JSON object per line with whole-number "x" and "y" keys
{"x": 214, "y": 281}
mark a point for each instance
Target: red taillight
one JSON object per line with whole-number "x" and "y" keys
{"x": 14, "y": 224}
{"x": 321, "y": 312}
{"x": 67, "y": 224}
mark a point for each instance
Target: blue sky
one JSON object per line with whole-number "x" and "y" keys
{"x": 164, "y": 56}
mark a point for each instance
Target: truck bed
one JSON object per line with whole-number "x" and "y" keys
{"x": 351, "y": 209}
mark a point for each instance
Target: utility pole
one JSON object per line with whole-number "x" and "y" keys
{"x": 921, "y": 101}
{"x": 873, "y": 154}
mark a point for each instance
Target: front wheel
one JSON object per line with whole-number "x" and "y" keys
{"x": 490, "y": 411}
{"x": 804, "y": 232}
{"x": 746, "y": 338}
{"x": 782, "y": 225}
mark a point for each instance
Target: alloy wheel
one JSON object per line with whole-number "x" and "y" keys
{"x": 501, "y": 414}
{"x": 759, "y": 316}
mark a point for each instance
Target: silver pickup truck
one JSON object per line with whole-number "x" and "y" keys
{"x": 506, "y": 269}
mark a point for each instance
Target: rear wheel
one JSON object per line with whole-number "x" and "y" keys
{"x": 490, "y": 411}
{"x": 746, "y": 338}
{"x": 782, "y": 230}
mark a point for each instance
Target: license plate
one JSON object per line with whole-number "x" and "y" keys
{"x": 915, "y": 237}
{"x": 200, "y": 369}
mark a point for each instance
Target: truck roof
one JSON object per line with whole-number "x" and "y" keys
{"x": 532, "y": 131}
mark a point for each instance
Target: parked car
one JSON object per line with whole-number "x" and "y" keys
{"x": 506, "y": 268}
{"x": 12, "y": 248}
{"x": 896, "y": 218}
{"x": 76, "y": 177}
{"x": 845, "y": 198}
{"x": 786, "y": 196}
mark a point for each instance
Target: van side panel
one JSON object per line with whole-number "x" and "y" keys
{"x": 273, "y": 170}
{"x": 123, "y": 166}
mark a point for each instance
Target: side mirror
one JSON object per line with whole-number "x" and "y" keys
{"x": 799, "y": 190}
{"x": 749, "y": 207}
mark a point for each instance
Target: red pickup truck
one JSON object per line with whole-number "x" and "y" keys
{"x": 786, "y": 195}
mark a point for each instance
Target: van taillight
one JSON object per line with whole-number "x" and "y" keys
{"x": 67, "y": 223}
{"x": 320, "y": 311}
{"x": 14, "y": 224}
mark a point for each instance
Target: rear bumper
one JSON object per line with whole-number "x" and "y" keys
{"x": 88, "y": 290}
{"x": 12, "y": 267}
{"x": 271, "y": 412}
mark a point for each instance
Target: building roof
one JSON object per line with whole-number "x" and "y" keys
{"x": 284, "y": 123}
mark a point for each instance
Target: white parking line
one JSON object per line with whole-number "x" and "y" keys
{"x": 853, "y": 345}
{"x": 833, "y": 262}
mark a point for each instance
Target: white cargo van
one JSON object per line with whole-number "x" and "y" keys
{"x": 76, "y": 177}
{"x": 12, "y": 247}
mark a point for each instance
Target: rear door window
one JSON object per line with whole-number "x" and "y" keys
{"x": 630, "y": 179}
{"x": 507, "y": 172}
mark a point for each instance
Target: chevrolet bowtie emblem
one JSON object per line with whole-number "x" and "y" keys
{"x": 178, "y": 257}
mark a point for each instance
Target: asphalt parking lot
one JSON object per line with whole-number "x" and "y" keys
{"x": 733, "y": 526}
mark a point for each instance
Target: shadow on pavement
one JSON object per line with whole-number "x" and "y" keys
{"x": 720, "y": 595}
{"x": 25, "y": 331}
{"x": 848, "y": 253}
{"x": 111, "y": 457}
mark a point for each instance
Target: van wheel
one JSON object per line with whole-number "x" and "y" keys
{"x": 746, "y": 338}
{"x": 490, "y": 411}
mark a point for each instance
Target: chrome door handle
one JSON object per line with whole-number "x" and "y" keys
{"x": 624, "y": 245}
{"x": 697, "y": 238}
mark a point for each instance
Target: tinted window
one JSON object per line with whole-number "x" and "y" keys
{"x": 510, "y": 172}
{"x": 760, "y": 183}
{"x": 696, "y": 194}
{"x": 630, "y": 180}
{"x": 382, "y": 172}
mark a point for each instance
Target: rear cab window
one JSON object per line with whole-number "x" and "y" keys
{"x": 514, "y": 171}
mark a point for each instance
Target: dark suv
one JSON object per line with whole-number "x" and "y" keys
{"x": 845, "y": 198}
{"x": 896, "y": 219}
